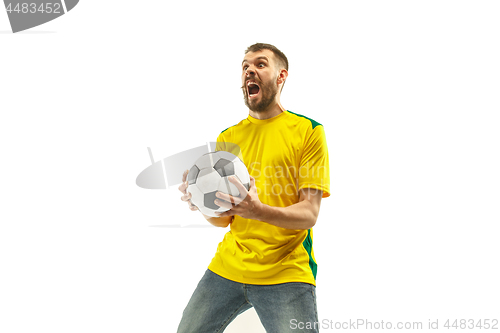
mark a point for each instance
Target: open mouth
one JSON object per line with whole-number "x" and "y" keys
{"x": 253, "y": 89}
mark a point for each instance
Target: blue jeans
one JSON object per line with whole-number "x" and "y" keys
{"x": 280, "y": 307}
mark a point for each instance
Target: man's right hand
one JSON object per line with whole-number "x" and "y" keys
{"x": 186, "y": 195}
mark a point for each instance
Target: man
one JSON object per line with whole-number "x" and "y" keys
{"x": 266, "y": 260}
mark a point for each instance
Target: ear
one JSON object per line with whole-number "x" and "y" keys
{"x": 282, "y": 75}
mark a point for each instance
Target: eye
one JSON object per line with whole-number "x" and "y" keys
{"x": 245, "y": 67}
{"x": 262, "y": 64}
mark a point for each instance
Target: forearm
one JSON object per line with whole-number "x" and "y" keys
{"x": 221, "y": 222}
{"x": 297, "y": 216}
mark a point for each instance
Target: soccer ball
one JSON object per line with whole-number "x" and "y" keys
{"x": 209, "y": 174}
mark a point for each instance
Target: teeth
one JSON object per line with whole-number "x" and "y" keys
{"x": 252, "y": 82}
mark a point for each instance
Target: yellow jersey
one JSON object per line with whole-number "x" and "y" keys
{"x": 284, "y": 154}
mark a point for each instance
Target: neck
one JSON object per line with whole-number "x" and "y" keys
{"x": 272, "y": 111}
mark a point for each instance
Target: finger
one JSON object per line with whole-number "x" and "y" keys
{"x": 252, "y": 181}
{"x": 186, "y": 196}
{"x": 183, "y": 187}
{"x": 228, "y": 198}
{"x": 184, "y": 175}
{"x": 223, "y": 204}
{"x": 192, "y": 207}
{"x": 238, "y": 184}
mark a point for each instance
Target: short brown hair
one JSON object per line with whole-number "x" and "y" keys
{"x": 280, "y": 56}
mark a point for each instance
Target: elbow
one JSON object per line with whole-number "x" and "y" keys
{"x": 313, "y": 218}
{"x": 220, "y": 222}
{"x": 308, "y": 222}
{"x": 311, "y": 223}
{"x": 224, "y": 225}
{"x": 310, "y": 214}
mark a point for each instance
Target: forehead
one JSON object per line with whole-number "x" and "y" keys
{"x": 251, "y": 57}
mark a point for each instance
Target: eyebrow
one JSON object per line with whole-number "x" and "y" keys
{"x": 261, "y": 57}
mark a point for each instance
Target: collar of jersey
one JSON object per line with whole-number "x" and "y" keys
{"x": 265, "y": 121}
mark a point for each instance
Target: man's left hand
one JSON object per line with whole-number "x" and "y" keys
{"x": 246, "y": 205}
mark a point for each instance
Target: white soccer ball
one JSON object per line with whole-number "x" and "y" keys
{"x": 210, "y": 174}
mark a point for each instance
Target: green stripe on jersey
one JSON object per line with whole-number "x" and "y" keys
{"x": 313, "y": 122}
{"x": 308, "y": 246}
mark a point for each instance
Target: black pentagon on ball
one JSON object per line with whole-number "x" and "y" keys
{"x": 224, "y": 167}
{"x": 208, "y": 200}
{"x": 193, "y": 174}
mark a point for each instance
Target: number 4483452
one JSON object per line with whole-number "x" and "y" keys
{"x": 471, "y": 324}
{"x": 34, "y": 8}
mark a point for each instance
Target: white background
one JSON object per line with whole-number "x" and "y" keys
{"x": 407, "y": 91}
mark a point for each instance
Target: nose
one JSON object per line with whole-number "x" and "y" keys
{"x": 249, "y": 71}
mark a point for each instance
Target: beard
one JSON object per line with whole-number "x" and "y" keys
{"x": 268, "y": 93}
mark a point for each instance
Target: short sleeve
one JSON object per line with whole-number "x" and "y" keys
{"x": 221, "y": 143}
{"x": 314, "y": 170}
{"x": 224, "y": 143}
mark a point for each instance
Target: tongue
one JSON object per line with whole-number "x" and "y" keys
{"x": 253, "y": 89}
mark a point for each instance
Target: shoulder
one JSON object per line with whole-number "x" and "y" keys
{"x": 227, "y": 129}
{"x": 304, "y": 120}
{"x": 230, "y": 128}
{"x": 312, "y": 131}
{"x": 228, "y": 132}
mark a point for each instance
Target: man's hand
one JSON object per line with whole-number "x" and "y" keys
{"x": 216, "y": 221}
{"x": 186, "y": 195}
{"x": 246, "y": 205}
